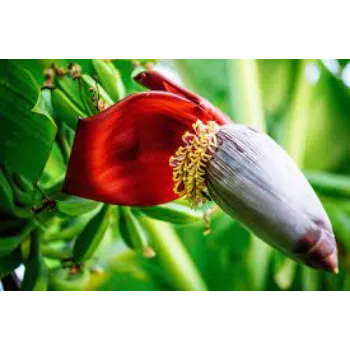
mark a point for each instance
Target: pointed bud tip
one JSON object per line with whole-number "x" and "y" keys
{"x": 331, "y": 263}
{"x": 318, "y": 249}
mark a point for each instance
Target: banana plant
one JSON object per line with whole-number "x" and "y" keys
{"x": 68, "y": 242}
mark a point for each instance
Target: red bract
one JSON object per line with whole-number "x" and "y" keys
{"x": 121, "y": 156}
{"x": 155, "y": 81}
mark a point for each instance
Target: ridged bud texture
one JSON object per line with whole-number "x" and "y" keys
{"x": 254, "y": 180}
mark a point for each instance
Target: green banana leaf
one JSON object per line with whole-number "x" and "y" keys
{"x": 27, "y": 130}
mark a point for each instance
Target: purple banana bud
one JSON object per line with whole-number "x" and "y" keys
{"x": 254, "y": 180}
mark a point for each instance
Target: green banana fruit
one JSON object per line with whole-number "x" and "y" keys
{"x": 23, "y": 199}
{"x": 76, "y": 206}
{"x": 88, "y": 241}
{"x": 110, "y": 79}
{"x": 65, "y": 110}
{"x": 69, "y": 134}
{"x": 36, "y": 273}
{"x": 70, "y": 227}
{"x": 58, "y": 250}
{"x": 115, "y": 218}
{"x": 23, "y": 193}
{"x": 70, "y": 88}
{"x": 92, "y": 94}
{"x": 55, "y": 189}
{"x": 23, "y": 213}
{"x": 9, "y": 244}
{"x": 51, "y": 265}
{"x": 23, "y": 183}
{"x": 133, "y": 232}
{"x": 23, "y": 190}
{"x": 70, "y": 279}
{"x": 6, "y": 194}
{"x": 25, "y": 248}
{"x": 172, "y": 212}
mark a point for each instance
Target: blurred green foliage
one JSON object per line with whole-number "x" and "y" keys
{"x": 69, "y": 243}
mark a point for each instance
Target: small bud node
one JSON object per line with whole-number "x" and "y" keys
{"x": 74, "y": 70}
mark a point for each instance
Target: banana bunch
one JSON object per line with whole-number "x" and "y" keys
{"x": 17, "y": 194}
{"x": 75, "y": 95}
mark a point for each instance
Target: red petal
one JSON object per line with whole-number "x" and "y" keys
{"x": 156, "y": 81}
{"x": 121, "y": 156}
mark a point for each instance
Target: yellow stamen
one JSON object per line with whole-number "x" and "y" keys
{"x": 190, "y": 161}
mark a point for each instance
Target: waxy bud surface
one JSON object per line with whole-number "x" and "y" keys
{"x": 254, "y": 180}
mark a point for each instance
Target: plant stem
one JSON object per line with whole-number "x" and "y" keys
{"x": 247, "y": 108}
{"x": 299, "y": 116}
{"x": 173, "y": 255}
{"x": 246, "y": 103}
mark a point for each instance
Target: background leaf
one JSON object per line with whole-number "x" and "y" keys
{"x": 26, "y": 128}
{"x": 208, "y": 78}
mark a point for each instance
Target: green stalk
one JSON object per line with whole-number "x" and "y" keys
{"x": 299, "y": 116}
{"x": 173, "y": 255}
{"x": 247, "y": 108}
{"x": 298, "y": 125}
{"x": 245, "y": 94}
